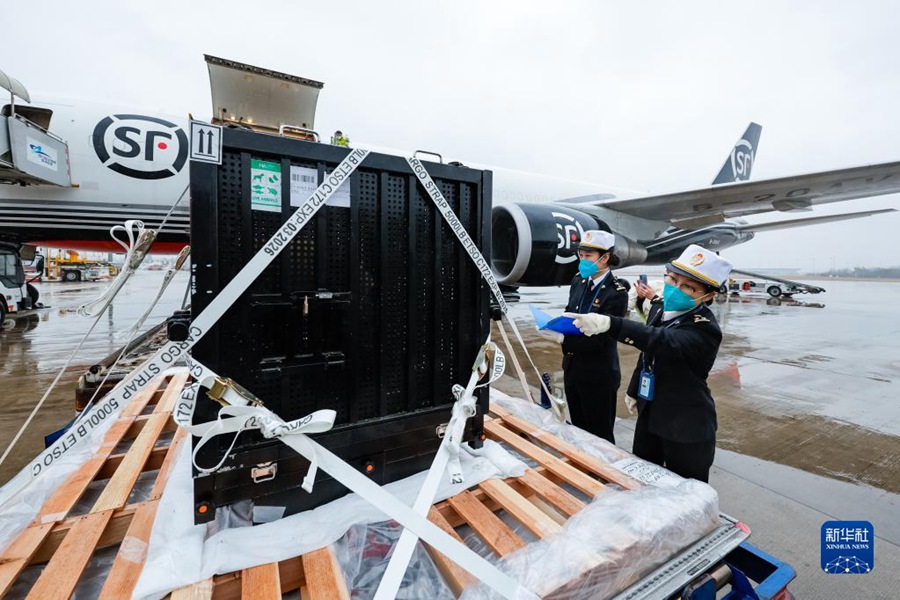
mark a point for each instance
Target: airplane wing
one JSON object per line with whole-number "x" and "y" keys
{"x": 790, "y": 223}
{"x": 787, "y": 194}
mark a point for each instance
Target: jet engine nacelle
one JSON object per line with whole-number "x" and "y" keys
{"x": 536, "y": 244}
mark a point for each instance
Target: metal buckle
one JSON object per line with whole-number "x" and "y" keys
{"x": 221, "y": 385}
{"x": 264, "y": 472}
{"x": 441, "y": 430}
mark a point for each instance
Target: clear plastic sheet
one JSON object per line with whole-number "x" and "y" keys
{"x": 612, "y": 542}
{"x": 544, "y": 419}
{"x": 364, "y": 552}
{"x": 181, "y": 553}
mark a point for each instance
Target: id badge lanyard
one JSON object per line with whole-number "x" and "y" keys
{"x": 647, "y": 380}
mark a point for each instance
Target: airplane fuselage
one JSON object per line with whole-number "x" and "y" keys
{"x": 128, "y": 164}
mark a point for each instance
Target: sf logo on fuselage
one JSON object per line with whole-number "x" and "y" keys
{"x": 568, "y": 235}
{"x": 141, "y": 147}
{"x": 741, "y": 160}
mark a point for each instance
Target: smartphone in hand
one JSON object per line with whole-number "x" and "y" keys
{"x": 643, "y": 279}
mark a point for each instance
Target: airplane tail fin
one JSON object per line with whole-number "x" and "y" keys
{"x": 738, "y": 165}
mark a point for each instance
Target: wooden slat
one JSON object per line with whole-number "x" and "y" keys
{"x": 59, "y": 578}
{"x": 129, "y": 562}
{"x": 566, "y": 472}
{"x": 324, "y": 580}
{"x": 19, "y": 554}
{"x": 165, "y": 469}
{"x": 579, "y": 457}
{"x": 518, "y": 506}
{"x": 136, "y": 406}
{"x": 495, "y": 533}
{"x": 154, "y": 461}
{"x": 552, "y": 493}
{"x": 290, "y": 572}
{"x": 202, "y": 590}
{"x": 116, "y": 492}
{"x": 261, "y": 583}
{"x": 171, "y": 393}
{"x": 112, "y": 535}
{"x": 55, "y": 509}
{"x": 455, "y": 576}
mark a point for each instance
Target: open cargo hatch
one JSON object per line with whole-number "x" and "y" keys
{"x": 29, "y": 153}
{"x": 261, "y": 99}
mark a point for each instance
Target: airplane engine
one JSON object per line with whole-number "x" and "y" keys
{"x": 535, "y": 244}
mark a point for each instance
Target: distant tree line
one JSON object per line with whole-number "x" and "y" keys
{"x": 865, "y": 272}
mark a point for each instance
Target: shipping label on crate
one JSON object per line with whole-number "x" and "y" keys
{"x": 647, "y": 472}
{"x": 304, "y": 181}
{"x": 265, "y": 185}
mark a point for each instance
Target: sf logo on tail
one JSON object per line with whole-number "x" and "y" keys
{"x": 742, "y": 160}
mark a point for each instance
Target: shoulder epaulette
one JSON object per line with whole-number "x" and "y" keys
{"x": 700, "y": 319}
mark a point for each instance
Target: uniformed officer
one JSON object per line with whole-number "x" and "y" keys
{"x": 591, "y": 365}
{"x": 676, "y": 426}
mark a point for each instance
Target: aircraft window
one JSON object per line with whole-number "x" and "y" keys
{"x": 38, "y": 116}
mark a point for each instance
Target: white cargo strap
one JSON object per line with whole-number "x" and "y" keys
{"x": 167, "y": 279}
{"x": 515, "y": 361}
{"x": 482, "y": 264}
{"x": 489, "y": 359}
{"x": 240, "y": 418}
{"x": 136, "y": 246}
{"x": 239, "y": 415}
{"x": 169, "y": 353}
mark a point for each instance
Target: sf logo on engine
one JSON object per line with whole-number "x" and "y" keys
{"x": 140, "y": 147}
{"x": 568, "y": 234}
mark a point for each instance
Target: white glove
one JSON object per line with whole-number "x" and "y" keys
{"x": 591, "y": 323}
{"x": 553, "y": 336}
{"x": 631, "y": 405}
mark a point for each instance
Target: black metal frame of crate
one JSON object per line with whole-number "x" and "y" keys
{"x": 397, "y": 311}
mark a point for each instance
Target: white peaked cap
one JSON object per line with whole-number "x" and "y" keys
{"x": 701, "y": 264}
{"x": 595, "y": 239}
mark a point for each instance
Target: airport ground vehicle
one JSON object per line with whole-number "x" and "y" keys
{"x": 70, "y": 266}
{"x": 773, "y": 286}
{"x": 17, "y": 294}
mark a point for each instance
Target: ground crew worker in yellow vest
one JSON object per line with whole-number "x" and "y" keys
{"x": 591, "y": 364}
{"x": 676, "y": 425}
{"x": 339, "y": 139}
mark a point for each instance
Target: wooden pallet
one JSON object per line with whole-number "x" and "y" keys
{"x": 539, "y": 500}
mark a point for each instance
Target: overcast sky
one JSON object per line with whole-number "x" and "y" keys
{"x": 642, "y": 95}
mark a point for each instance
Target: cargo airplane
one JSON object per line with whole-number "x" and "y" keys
{"x": 73, "y": 169}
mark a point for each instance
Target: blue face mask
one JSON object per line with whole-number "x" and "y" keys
{"x": 676, "y": 300}
{"x": 587, "y": 268}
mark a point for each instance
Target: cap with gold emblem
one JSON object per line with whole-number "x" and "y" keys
{"x": 701, "y": 264}
{"x": 595, "y": 239}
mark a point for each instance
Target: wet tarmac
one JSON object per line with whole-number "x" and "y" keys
{"x": 806, "y": 391}
{"x": 34, "y": 350}
{"x": 810, "y": 382}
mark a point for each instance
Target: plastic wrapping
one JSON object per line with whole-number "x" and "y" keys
{"x": 544, "y": 419}
{"x": 612, "y": 542}
{"x": 363, "y": 554}
{"x": 181, "y": 553}
{"x": 21, "y": 508}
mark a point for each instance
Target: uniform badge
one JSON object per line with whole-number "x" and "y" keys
{"x": 700, "y": 319}
{"x": 697, "y": 260}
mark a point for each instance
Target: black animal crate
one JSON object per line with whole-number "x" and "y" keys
{"x": 374, "y": 310}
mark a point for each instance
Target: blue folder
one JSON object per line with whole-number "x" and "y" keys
{"x": 563, "y": 325}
